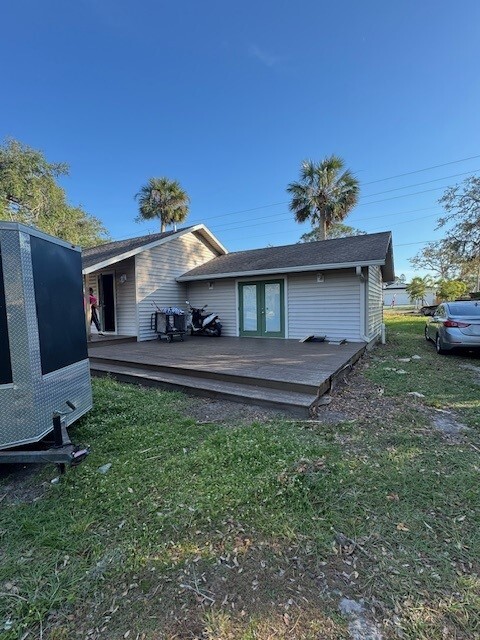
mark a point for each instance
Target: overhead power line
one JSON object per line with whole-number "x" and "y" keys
{"x": 410, "y": 173}
{"x": 400, "y": 175}
{"x": 287, "y": 215}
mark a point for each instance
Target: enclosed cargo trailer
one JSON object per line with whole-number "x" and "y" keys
{"x": 44, "y": 367}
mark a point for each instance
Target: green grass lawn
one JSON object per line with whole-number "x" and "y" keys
{"x": 216, "y": 532}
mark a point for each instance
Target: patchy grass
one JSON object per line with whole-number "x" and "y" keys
{"x": 448, "y": 382}
{"x": 202, "y": 531}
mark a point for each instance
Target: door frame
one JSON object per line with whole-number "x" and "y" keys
{"x": 99, "y": 275}
{"x": 255, "y": 280}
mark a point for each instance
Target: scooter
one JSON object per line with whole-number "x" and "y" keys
{"x": 207, "y": 325}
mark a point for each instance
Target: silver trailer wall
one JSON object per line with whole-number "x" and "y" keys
{"x": 43, "y": 347}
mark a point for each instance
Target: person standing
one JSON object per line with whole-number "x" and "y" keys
{"x": 93, "y": 311}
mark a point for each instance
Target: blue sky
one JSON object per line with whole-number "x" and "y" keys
{"x": 228, "y": 98}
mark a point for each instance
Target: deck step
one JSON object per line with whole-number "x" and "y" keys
{"x": 292, "y": 402}
{"x": 106, "y": 341}
{"x": 205, "y": 373}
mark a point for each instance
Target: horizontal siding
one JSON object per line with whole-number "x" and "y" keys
{"x": 330, "y": 308}
{"x": 375, "y": 301}
{"x": 221, "y": 299}
{"x": 126, "y": 314}
{"x": 157, "y": 270}
{"x": 126, "y": 301}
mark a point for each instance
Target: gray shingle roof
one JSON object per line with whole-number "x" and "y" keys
{"x": 374, "y": 247}
{"x": 96, "y": 255}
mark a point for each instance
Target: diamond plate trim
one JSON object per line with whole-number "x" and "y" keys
{"x": 27, "y": 406}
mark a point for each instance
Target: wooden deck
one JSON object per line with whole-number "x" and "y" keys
{"x": 284, "y": 374}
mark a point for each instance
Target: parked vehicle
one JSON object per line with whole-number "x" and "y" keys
{"x": 455, "y": 325}
{"x": 207, "y": 325}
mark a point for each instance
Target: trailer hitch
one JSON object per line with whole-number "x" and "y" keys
{"x": 62, "y": 453}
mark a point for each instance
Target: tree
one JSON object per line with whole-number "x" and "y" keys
{"x": 325, "y": 194}
{"x": 163, "y": 199}
{"x": 462, "y": 207}
{"x": 30, "y": 194}
{"x": 417, "y": 289}
{"x": 337, "y": 230}
{"x": 439, "y": 258}
{"x": 450, "y": 289}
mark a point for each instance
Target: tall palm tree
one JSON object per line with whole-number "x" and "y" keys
{"x": 325, "y": 194}
{"x": 163, "y": 199}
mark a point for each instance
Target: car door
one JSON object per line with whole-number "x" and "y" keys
{"x": 436, "y": 321}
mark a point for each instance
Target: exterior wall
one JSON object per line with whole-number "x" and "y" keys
{"x": 126, "y": 312}
{"x": 402, "y": 297}
{"x": 330, "y": 308}
{"x": 156, "y": 272}
{"x": 375, "y": 302}
{"x": 221, "y": 299}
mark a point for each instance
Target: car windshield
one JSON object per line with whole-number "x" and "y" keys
{"x": 465, "y": 309}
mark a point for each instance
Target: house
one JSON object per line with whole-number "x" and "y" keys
{"x": 396, "y": 293}
{"x": 128, "y": 276}
{"x": 331, "y": 288}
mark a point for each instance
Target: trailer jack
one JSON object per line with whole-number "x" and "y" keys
{"x": 62, "y": 453}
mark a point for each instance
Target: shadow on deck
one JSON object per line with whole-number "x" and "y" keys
{"x": 282, "y": 374}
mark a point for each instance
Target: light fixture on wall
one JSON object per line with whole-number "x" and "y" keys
{"x": 210, "y": 285}
{"x": 123, "y": 278}
{"x": 320, "y": 277}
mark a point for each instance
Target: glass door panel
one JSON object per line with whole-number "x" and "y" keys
{"x": 250, "y": 308}
{"x": 273, "y": 307}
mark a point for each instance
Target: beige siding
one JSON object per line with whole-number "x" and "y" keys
{"x": 157, "y": 270}
{"x": 330, "y": 308}
{"x": 221, "y": 299}
{"x": 126, "y": 314}
{"x": 375, "y": 301}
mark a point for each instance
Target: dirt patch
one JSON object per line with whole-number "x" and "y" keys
{"x": 233, "y": 413}
{"x": 357, "y": 398}
{"x": 21, "y": 483}
{"x": 247, "y": 584}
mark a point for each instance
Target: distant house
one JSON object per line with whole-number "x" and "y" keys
{"x": 396, "y": 292}
{"x": 331, "y": 288}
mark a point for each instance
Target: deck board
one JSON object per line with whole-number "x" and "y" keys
{"x": 203, "y": 365}
{"x": 284, "y": 360}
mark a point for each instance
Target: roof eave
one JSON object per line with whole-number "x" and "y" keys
{"x": 298, "y": 269}
{"x": 388, "y": 269}
{"x": 201, "y": 228}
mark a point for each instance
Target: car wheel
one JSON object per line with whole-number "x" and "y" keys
{"x": 439, "y": 345}
{"x": 427, "y": 337}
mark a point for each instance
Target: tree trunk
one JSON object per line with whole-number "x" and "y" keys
{"x": 163, "y": 227}
{"x": 322, "y": 227}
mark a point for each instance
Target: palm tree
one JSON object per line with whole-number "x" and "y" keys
{"x": 163, "y": 199}
{"x": 325, "y": 194}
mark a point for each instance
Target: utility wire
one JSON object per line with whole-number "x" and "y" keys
{"x": 400, "y": 175}
{"x": 409, "y": 173}
{"x": 284, "y": 215}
